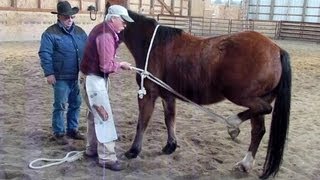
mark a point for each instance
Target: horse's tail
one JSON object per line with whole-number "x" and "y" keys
{"x": 280, "y": 120}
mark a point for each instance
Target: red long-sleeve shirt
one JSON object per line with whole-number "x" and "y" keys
{"x": 100, "y": 51}
{"x": 106, "y": 50}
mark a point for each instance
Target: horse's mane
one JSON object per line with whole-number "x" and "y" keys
{"x": 164, "y": 33}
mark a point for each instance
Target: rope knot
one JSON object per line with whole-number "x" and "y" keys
{"x": 144, "y": 74}
{"x": 142, "y": 92}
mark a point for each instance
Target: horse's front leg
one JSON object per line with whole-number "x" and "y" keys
{"x": 169, "y": 106}
{"x": 146, "y": 107}
{"x": 257, "y": 132}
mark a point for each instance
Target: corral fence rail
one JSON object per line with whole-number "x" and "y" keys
{"x": 299, "y": 30}
{"x": 201, "y": 26}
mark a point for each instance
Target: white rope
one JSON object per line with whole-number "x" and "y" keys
{"x": 167, "y": 87}
{"x": 144, "y": 74}
{"x": 70, "y": 157}
{"x": 150, "y": 46}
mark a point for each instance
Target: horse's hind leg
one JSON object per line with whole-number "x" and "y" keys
{"x": 146, "y": 107}
{"x": 169, "y": 105}
{"x": 257, "y": 106}
{"x": 257, "y": 132}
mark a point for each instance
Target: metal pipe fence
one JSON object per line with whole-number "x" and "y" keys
{"x": 200, "y": 26}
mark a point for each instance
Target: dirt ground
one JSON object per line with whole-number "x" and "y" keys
{"x": 205, "y": 149}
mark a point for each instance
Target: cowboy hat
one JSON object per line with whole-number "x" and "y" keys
{"x": 64, "y": 8}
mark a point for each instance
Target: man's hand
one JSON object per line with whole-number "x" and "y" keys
{"x": 125, "y": 65}
{"x": 51, "y": 79}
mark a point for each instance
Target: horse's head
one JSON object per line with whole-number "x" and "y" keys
{"x": 138, "y": 34}
{"x": 140, "y": 30}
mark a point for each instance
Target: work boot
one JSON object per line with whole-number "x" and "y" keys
{"x": 61, "y": 139}
{"x": 90, "y": 155}
{"x": 75, "y": 135}
{"x": 113, "y": 165}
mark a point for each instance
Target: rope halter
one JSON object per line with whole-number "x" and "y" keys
{"x": 142, "y": 91}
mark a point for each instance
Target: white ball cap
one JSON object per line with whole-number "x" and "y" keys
{"x": 120, "y": 11}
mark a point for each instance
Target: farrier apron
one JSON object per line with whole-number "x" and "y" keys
{"x": 97, "y": 92}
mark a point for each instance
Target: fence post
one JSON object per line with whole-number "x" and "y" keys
{"x": 14, "y": 3}
{"x": 210, "y": 26}
{"x": 202, "y": 26}
{"x": 278, "y": 30}
{"x": 253, "y": 25}
{"x": 229, "y": 26}
{"x": 190, "y": 24}
{"x": 302, "y": 26}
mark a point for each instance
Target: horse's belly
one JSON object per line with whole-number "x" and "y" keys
{"x": 211, "y": 100}
{"x": 204, "y": 96}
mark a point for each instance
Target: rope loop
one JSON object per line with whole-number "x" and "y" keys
{"x": 70, "y": 157}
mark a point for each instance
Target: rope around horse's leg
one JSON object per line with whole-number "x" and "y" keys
{"x": 71, "y": 156}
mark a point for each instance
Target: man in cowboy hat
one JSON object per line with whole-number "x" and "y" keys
{"x": 61, "y": 51}
{"x": 98, "y": 62}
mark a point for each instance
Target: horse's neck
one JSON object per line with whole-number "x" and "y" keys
{"x": 138, "y": 49}
{"x": 137, "y": 53}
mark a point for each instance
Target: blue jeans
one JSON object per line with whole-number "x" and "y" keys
{"x": 66, "y": 92}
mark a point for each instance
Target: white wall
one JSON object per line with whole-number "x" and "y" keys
{"x": 28, "y": 26}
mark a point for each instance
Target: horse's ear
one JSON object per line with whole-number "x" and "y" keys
{"x": 123, "y": 3}
{"x": 108, "y": 5}
{"x": 106, "y": 8}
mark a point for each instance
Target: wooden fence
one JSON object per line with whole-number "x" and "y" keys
{"x": 299, "y": 30}
{"x": 200, "y": 26}
{"x": 42, "y": 5}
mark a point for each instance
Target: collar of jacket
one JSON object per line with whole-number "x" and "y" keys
{"x": 115, "y": 35}
{"x": 70, "y": 30}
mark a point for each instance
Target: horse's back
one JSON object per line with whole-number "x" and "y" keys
{"x": 208, "y": 69}
{"x": 249, "y": 64}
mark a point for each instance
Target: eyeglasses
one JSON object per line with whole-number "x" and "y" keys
{"x": 123, "y": 21}
{"x": 64, "y": 17}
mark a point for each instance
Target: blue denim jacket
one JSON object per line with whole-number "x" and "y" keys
{"x": 61, "y": 51}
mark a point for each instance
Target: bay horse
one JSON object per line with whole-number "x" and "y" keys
{"x": 245, "y": 68}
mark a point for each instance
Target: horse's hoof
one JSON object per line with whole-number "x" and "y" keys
{"x": 233, "y": 132}
{"x": 246, "y": 164}
{"x": 243, "y": 167}
{"x": 169, "y": 148}
{"x": 131, "y": 154}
